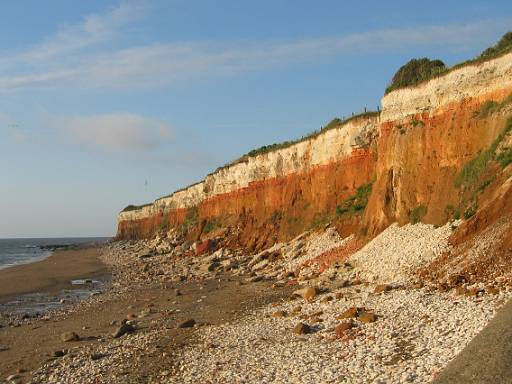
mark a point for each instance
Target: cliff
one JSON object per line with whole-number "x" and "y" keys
{"x": 406, "y": 163}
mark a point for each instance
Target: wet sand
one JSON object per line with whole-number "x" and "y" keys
{"x": 51, "y": 274}
{"x": 34, "y": 342}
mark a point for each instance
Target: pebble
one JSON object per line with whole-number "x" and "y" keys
{"x": 69, "y": 336}
{"x": 263, "y": 346}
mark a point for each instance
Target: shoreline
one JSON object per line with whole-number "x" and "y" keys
{"x": 169, "y": 315}
{"x": 51, "y": 274}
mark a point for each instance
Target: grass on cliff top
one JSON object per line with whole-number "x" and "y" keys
{"x": 418, "y": 71}
{"x": 334, "y": 123}
{"x": 135, "y": 207}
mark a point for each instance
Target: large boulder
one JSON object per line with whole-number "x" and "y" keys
{"x": 206, "y": 246}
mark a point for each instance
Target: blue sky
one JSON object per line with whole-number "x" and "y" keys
{"x": 97, "y": 97}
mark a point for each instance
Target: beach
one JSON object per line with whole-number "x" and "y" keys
{"x": 51, "y": 274}
{"x": 171, "y": 315}
{"x": 28, "y": 344}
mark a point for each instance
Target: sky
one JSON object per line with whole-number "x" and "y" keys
{"x": 110, "y": 103}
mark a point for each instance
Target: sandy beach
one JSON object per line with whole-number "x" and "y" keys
{"x": 51, "y": 274}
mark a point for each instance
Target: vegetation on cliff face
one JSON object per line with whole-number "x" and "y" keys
{"x": 417, "y": 214}
{"x": 473, "y": 169}
{"x": 491, "y": 106}
{"x": 418, "y": 71}
{"x": 357, "y": 202}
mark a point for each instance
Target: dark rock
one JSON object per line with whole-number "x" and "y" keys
{"x": 187, "y": 324}
{"x": 59, "y": 353}
{"x": 301, "y": 329}
{"x": 123, "y": 330}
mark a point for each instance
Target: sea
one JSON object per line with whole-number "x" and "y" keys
{"x": 24, "y": 251}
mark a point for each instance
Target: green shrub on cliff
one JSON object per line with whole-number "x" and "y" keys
{"x": 417, "y": 214}
{"x": 357, "y": 202}
{"x": 505, "y": 158}
{"x": 191, "y": 219}
{"x": 475, "y": 167}
{"x": 135, "y": 207}
{"x": 415, "y": 72}
{"x": 502, "y": 46}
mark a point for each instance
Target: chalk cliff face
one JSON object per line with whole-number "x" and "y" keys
{"x": 405, "y": 158}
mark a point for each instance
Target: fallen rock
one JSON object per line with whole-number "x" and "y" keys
{"x": 254, "y": 279}
{"x": 367, "y": 317}
{"x": 326, "y": 299}
{"x": 59, "y": 353}
{"x": 123, "y": 330}
{"x": 382, "y": 288}
{"x": 341, "y": 328}
{"x": 279, "y": 314}
{"x": 13, "y": 379}
{"x": 352, "y": 312}
{"x": 301, "y": 329}
{"x": 69, "y": 336}
{"x": 492, "y": 290}
{"x": 187, "y": 323}
{"x": 260, "y": 265}
{"x": 460, "y": 290}
{"x": 205, "y": 247}
{"x": 307, "y": 293}
{"x": 472, "y": 292}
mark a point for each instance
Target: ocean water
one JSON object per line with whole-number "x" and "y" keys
{"x": 23, "y": 251}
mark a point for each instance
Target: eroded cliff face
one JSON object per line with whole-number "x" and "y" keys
{"x": 407, "y": 160}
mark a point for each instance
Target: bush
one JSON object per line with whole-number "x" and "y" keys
{"x": 488, "y": 107}
{"x": 134, "y": 207}
{"x": 470, "y": 211}
{"x": 211, "y": 225}
{"x": 417, "y": 214}
{"x": 505, "y": 158}
{"x": 416, "y": 71}
{"x": 356, "y": 203}
{"x": 501, "y": 46}
{"x": 474, "y": 168}
{"x": 416, "y": 122}
{"x": 420, "y": 70}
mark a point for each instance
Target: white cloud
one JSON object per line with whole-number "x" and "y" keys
{"x": 76, "y": 57}
{"x": 116, "y": 132}
{"x": 95, "y": 29}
